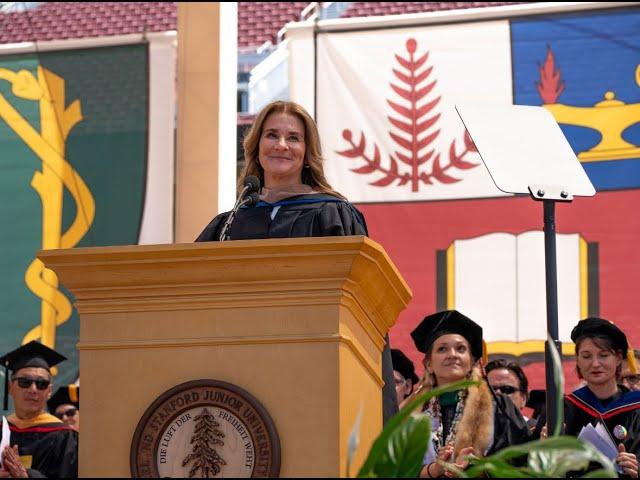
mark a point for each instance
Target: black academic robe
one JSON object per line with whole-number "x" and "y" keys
{"x": 509, "y": 426}
{"x": 47, "y": 447}
{"x": 311, "y": 215}
{"x": 582, "y": 407}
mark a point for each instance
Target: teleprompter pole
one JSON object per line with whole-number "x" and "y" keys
{"x": 522, "y": 145}
{"x": 551, "y": 272}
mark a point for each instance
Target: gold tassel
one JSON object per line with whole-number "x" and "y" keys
{"x": 485, "y": 353}
{"x": 631, "y": 361}
{"x": 73, "y": 393}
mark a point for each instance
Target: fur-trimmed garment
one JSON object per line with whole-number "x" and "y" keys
{"x": 476, "y": 426}
{"x": 487, "y": 424}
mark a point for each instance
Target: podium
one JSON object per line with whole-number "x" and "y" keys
{"x": 298, "y": 324}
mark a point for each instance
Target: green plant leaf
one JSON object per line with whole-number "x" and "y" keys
{"x": 379, "y": 449}
{"x": 571, "y": 452}
{"x": 400, "y": 449}
{"x": 553, "y": 457}
{"x": 405, "y": 450}
{"x": 559, "y": 383}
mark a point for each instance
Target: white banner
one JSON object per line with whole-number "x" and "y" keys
{"x": 386, "y": 109}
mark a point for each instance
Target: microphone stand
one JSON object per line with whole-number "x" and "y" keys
{"x": 251, "y": 200}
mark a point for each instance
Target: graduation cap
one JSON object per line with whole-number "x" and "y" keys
{"x": 445, "y": 322}
{"x": 67, "y": 394}
{"x": 593, "y": 326}
{"x": 537, "y": 401}
{"x": 403, "y": 365}
{"x": 33, "y": 354}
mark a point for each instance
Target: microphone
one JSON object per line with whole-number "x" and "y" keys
{"x": 251, "y": 184}
{"x": 252, "y": 199}
{"x": 248, "y": 197}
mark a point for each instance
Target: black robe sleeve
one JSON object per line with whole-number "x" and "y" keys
{"x": 510, "y": 427}
{"x": 389, "y": 397}
{"x": 341, "y": 219}
{"x": 211, "y": 232}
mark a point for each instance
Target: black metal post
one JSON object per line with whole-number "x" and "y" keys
{"x": 551, "y": 272}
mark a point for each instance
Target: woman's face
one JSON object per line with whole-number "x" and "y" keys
{"x": 597, "y": 366}
{"x": 69, "y": 415}
{"x": 282, "y": 148}
{"x": 450, "y": 359}
{"x": 404, "y": 386}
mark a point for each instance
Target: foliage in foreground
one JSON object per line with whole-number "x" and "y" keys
{"x": 400, "y": 448}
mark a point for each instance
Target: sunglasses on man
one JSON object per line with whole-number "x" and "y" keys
{"x": 26, "y": 382}
{"x": 70, "y": 413}
{"x": 633, "y": 379}
{"x": 506, "y": 389}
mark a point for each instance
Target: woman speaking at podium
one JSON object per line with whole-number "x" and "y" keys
{"x": 282, "y": 149}
{"x": 284, "y": 156}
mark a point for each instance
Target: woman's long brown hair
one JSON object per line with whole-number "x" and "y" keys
{"x": 312, "y": 172}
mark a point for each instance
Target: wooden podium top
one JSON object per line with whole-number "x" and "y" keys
{"x": 242, "y": 272}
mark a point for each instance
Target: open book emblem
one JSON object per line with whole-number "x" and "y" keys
{"x": 499, "y": 279}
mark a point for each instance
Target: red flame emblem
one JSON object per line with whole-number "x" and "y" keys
{"x": 550, "y": 86}
{"x": 416, "y": 131}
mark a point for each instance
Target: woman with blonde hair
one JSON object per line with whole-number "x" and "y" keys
{"x": 468, "y": 422}
{"x": 282, "y": 149}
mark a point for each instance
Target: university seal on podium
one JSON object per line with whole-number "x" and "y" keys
{"x": 203, "y": 429}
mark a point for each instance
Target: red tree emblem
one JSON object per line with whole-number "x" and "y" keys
{"x": 416, "y": 131}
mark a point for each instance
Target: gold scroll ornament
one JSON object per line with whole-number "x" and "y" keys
{"x": 56, "y": 122}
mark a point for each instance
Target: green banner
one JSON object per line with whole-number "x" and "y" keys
{"x": 73, "y": 158}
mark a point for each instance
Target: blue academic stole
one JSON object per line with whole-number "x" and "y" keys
{"x": 585, "y": 400}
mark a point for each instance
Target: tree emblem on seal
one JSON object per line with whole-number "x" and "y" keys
{"x": 204, "y": 456}
{"x": 416, "y": 126}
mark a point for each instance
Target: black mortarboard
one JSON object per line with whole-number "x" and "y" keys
{"x": 598, "y": 326}
{"x": 67, "y": 394}
{"x": 403, "y": 365}
{"x": 33, "y": 354}
{"x": 442, "y": 323}
{"x": 537, "y": 401}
